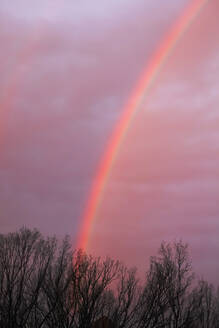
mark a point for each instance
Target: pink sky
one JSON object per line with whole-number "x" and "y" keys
{"x": 67, "y": 69}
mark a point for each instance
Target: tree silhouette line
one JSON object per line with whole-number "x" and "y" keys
{"x": 44, "y": 283}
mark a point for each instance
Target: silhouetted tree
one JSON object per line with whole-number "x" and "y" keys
{"x": 207, "y": 309}
{"x": 125, "y": 296}
{"x": 163, "y": 302}
{"x": 92, "y": 279}
{"x": 44, "y": 284}
{"x": 56, "y": 303}
{"x": 24, "y": 259}
{"x": 103, "y": 322}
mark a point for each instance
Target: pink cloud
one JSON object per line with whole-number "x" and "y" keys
{"x": 165, "y": 181}
{"x": 67, "y": 87}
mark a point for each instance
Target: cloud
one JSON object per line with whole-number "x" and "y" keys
{"x": 68, "y": 69}
{"x": 167, "y": 168}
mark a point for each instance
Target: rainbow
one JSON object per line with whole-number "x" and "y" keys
{"x": 130, "y": 110}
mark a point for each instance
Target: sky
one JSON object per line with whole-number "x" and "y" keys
{"x": 67, "y": 68}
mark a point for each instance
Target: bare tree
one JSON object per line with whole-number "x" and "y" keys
{"x": 76, "y": 289}
{"x": 24, "y": 260}
{"x": 163, "y": 302}
{"x": 125, "y": 295}
{"x": 55, "y": 304}
{"x": 207, "y": 310}
{"x": 44, "y": 284}
{"x": 93, "y": 277}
